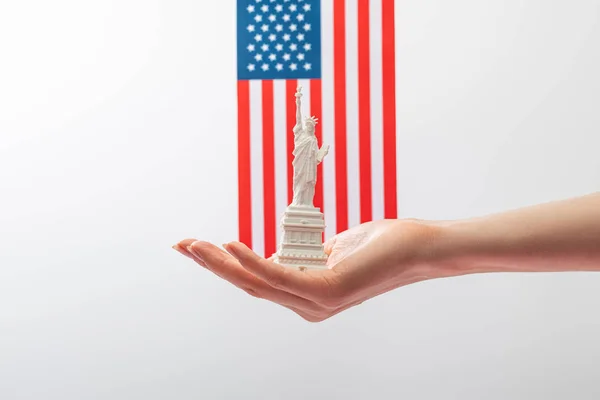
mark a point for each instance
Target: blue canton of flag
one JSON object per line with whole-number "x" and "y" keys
{"x": 279, "y": 39}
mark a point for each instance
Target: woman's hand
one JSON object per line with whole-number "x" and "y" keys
{"x": 377, "y": 257}
{"x": 364, "y": 262}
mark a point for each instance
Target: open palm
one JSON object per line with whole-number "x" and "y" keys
{"x": 364, "y": 262}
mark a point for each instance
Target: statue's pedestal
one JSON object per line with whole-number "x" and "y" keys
{"x": 302, "y": 240}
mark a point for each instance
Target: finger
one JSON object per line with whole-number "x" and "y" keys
{"x": 228, "y": 268}
{"x": 329, "y": 244}
{"x": 307, "y": 284}
{"x": 182, "y": 246}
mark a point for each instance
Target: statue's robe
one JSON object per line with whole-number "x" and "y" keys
{"x": 305, "y": 164}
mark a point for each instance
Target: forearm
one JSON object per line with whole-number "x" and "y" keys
{"x": 557, "y": 236}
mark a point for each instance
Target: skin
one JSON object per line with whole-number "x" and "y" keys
{"x": 376, "y": 257}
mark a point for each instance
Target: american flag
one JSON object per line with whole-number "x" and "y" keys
{"x": 342, "y": 52}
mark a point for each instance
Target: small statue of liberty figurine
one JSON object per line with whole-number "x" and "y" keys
{"x": 307, "y": 156}
{"x": 301, "y": 244}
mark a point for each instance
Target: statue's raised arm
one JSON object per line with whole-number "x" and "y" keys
{"x": 298, "y": 126}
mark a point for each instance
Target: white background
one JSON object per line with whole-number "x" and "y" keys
{"x": 118, "y": 139}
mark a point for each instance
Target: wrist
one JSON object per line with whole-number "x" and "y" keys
{"x": 472, "y": 246}
{"x": 449, "y": 248}
{"x": 422, "y": 250}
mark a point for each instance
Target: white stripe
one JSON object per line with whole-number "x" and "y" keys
{"x": 352, "y": 112}
{"x": 397, "y": 41}
{"x": 256, "y": 157}
{"x": 376, "y": 109}
{"x": 281, "y": 156}
{"x": 306, "y": 111}
{"x": 328, "y": 122}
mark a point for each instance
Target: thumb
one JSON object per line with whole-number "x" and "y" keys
{"x": 344, "y": 244}
{"x": 329, "y": 244}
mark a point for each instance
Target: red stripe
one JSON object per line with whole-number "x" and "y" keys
{"x": 316, "y": 109}
{"x": 364, "y": 112}
{"x": 316, "y": 106}
{"x": 244, "y": 183}
{"x": 290, "y": 105}
{"x": 339, "y": 76}
{"x": 389, "y": 109}
{"x": 269, "y": 167}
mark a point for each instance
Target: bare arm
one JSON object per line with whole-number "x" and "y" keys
{"x": 557, "y": 236}
{"x": 376, "y": 257}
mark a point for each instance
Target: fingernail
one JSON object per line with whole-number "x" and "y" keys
{"x": 230, "y": 249}
{"x": 196, "y": 253}
{"x": 179, "y": 249}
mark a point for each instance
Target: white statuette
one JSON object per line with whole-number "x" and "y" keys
{"x": 302, "y": 223}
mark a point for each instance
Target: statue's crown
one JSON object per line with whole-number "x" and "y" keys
{"x": 313, "y": 120}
